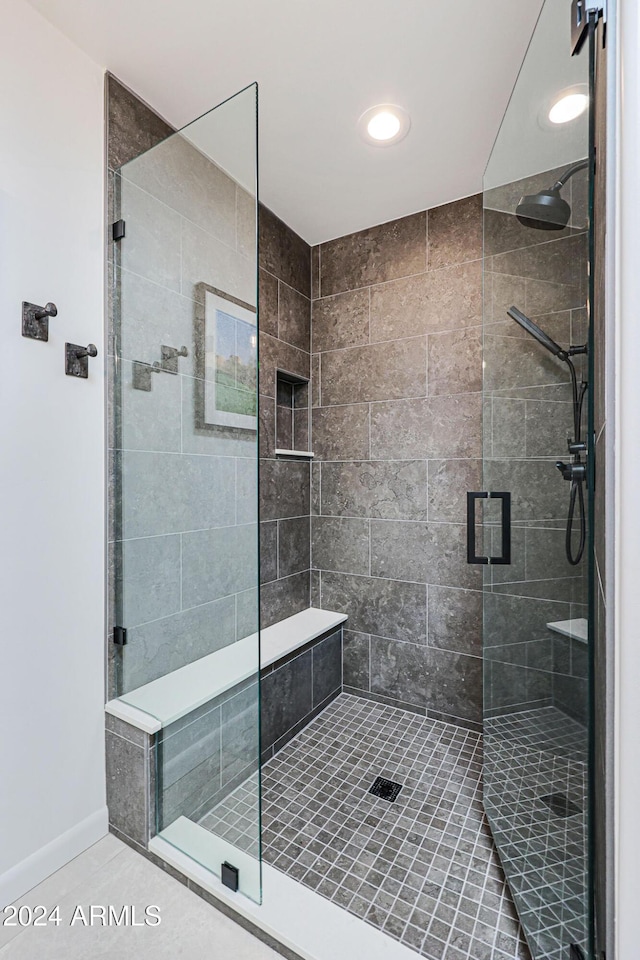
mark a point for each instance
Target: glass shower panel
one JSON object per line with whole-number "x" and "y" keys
{"x": 536, "y": 699}
{"x": 186, "y": 466}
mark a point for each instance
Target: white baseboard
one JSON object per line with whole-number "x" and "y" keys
{"x": 34, "y": 869}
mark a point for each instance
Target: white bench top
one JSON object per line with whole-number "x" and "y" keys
{"x": 160, "y": 702}
{"x": 577, "y": 629}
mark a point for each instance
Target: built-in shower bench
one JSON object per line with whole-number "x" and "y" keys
{"x": 161, "y": 702}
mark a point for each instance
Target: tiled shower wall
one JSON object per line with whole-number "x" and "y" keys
{"x": 184, "y": 521}
{"x": 285, "y": 343}
{"x": 397, "y": 379}
{"x": 528, "y": 418}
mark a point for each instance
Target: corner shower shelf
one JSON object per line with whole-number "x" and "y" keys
{"x": 163, "y": 701}
{"x": 577, "y": 629}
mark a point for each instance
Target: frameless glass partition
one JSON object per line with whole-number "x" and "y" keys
{"x": 535, "y": 464}
{"x": 186, "y": 466}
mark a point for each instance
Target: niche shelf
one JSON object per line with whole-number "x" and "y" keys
{"x": 292, "y": 416}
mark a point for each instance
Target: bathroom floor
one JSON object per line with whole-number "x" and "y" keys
{"x": 535, "y": 755}
{"x": 422, "y": 868}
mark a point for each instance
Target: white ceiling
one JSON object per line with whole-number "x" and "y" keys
{"x": 320, "y": 63}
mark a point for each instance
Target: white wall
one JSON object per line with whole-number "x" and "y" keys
{"x": 627, "y": 541}
{"x": 52, "y": 791}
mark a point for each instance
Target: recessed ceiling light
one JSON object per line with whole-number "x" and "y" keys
{"x": 568, "y": 106}
{"x": 384, "y": 124}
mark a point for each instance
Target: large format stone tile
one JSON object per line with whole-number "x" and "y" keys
{"x": 454, "y": 685}
{"x": 286, "y": 697}
{"x": 556, "y": 261}
{"x": 278, "y": 355}
{"x": 438, "y": 427}
{"x": 207, "y": 260}
{"x": 126, "y": 787}
{"x": 268, "y": 307}
{"x": 294, "y": 546}
{"x": 327, "y": 667}
{"x": 294, "y": 317}
{"x": 148, "y": 579}
{"x": 422, "y": 552}
{"x": 167, "y": 493}
{"x": 283, "y": 253}
{"x": 392, "y": 490}
{"x": 283, "y": 598}
{"x": 162, "y": 646}
{"x": 547, "y": 426}
{"x": 190, "y": 183}
{"x": 268, "y": 551}
{"x": 341, "y": 432}
{"x": 218, "y": 563}
{"x": 188, "y": 743}
{"x": 356, "y": 660}
{"x": 455, "y": 362}
{"x": 284, "y": 489}
{"x": 377, "y": 371}
{"x": 239, "y": 732}
{"x": 384, "y": 252}
{"x": 511, "y": 362}
{"x": 152, "y": 247}
{"x": 509, "y": 619}
{"x": 341, "y": 321}
{"x": 455, "y": 232}
{"x": 445, "y": 299}
{"x": 376, "y": 605}
{"x": 449, "y": 482}
{"x": 538, "y": 491}
{"x": 149, "y": 420}
{"x": 133, "y": 127}
{"x": 340, "y": 543}
{"x": 455, "y": 619}
{"x": 399, "y": 670}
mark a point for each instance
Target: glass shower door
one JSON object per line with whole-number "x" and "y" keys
{"x": 536, "y": 619}
{"x": 186, "y": 466}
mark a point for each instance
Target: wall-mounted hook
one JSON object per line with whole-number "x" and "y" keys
{"x": 35, "y": 320}
{"x": 76, "y": 359}
{"x": 170, "y": 355}
{"x": 141, "y": 377}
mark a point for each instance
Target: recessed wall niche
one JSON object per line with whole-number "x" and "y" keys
{"x": 292, "y": 412}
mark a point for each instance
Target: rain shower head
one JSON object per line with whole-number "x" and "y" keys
{"x": 546, "y": 210}
{"x": 535, "y": 331}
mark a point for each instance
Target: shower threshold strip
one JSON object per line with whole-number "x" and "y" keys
{"x": 296, "y": 917}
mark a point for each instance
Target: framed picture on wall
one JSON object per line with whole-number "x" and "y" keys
{"x": 226, "y": 339}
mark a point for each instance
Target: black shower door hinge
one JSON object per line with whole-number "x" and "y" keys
{"x": 120, "y": 636}
{"x": 118, "y": 230}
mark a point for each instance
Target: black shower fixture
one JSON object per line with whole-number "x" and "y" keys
{"x": 575, "y": 471}
{"x": 546, "y": 210}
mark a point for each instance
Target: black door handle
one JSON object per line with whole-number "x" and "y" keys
{"x": 505, "y": 556}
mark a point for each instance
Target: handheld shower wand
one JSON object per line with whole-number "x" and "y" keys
{"x": 575, "y": 471}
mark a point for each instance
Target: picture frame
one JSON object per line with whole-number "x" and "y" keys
{"x": 226, "y": 345}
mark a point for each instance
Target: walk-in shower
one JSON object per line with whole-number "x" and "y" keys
{"x": 317, "y": 686}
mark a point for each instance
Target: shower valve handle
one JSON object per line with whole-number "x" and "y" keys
{"x": 572, "y": 471}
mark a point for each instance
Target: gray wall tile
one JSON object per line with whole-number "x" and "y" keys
{"x": 283, "y": 253}
{"x": 294, "y": 546}
{"x": 455, "y": 619}
{"x": 399, "y": 670}
{"x": 268, "y": 290}
{"x": 445, "y": 299}
{"x": 239, "y": 734}
{"x": 449, "y": 482}
{"x": 438, "y": 427}
{"x": 388, "y": 607}
{"x": 286, "y": 697}
{"x": 294, "y": 317}
{"x": 378, "y": 371}
{"x": 268, "y": 551}
{"x": 284, "y": 489}
{"x": 148, "y": 579}
{"x": 327, "y": 667}
{"x": 385, "y": 252}
{"x": 218, "y": 563}
{"x": 340, "y": 543}
{"x": 341, "y": 433}
{"x": 133, "y": 127}
{"x": 341, "y": 321}
{"x": 455, "y": 232}
{"x": 126, "y": 787}
{"x": 455, "y": 362}
{"x": 422, "y": 552}
{"x": 283, "y": 598}
{"x": 356, "y": 660}
{"x": 391, "y": 490}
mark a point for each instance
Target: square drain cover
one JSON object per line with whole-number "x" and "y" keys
{"x": 385, "y": 789}
{"x": 560, "y": 805}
